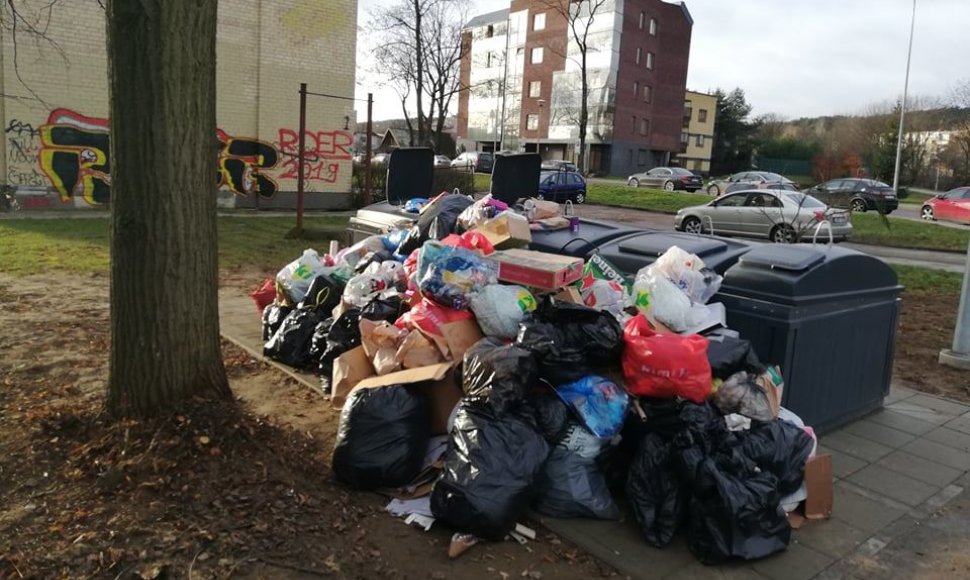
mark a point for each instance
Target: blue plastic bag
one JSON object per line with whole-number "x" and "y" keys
{"x": 448, "y": 275}
{"x": 392, "y": 240}
{"x": 598, "y": 402}
{"x": 415, "y": 204}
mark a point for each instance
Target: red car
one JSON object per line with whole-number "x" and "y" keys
{"x": 953, "y": 206}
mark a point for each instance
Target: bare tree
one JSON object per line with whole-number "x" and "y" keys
{"x": 443, "y": 25}
{"x": 164, "y": 261}
{"x": 579, "y": 16}
{"x": 960, "y": 99}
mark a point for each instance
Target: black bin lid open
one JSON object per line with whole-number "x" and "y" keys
{"x": 515, "y": 176}
{"x": 631, "y": 253}
{"x": 802, "y": 274}
{"x": 410, "y": 173}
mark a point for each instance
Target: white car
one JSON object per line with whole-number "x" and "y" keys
{"x": 783, "y": 217}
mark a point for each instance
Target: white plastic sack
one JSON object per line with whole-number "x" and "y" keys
{"x": 608, "y": 295}
{"x": 688, "y": 273}
{"x": 295, "y": 278}
{"x": 499, "y": 309}
{"x": 353, "y": 254}
{"x": 654, "y": 293}
{"x": 475, "y": 213}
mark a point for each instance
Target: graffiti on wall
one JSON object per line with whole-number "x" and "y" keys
{"x": 70, "y": 154}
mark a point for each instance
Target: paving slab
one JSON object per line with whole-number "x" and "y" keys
{"x": 863, "y": 512}
{"x": 902, "y": 422}
{"x": 843, "y": 464}
{"x": 939, "y": 453}
{"x": 879, "y": 433}
{"x": 961, "y": 424}
{"x": 898, "y": 393}
{"x": 950, "y": 438}
{"x": 856, "y": 446}
{"x": 917, "y": 411}
{"x": 942, "y": 406}
{"x": 797, "y": 563}
{"x": 834, "y": 537}
{"x": 893, "y": 485}
{"x": 731, "y": 571}
{"x": 919, "y": 468}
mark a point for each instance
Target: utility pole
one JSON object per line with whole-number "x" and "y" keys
{"x": 505, "y": 80}
{"x": 302, "y": 153}
{"x": 902, "y": 109}
{"x": 959, "y": 355}
{"x": 367, "y": 149}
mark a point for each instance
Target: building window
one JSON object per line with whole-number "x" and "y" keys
{"x": 539, "y": 21}
{"x": 653, "y": 26}
{"x": 537, "y": 55}
{"x": 633, "y": 124}
{"x": 647, "y": 93}
{"x": 699, "y": 141}
{"x": 535, "y": 89}
{"x": 698, "y": 164}
{"x": 532, "y": 122}
{"x": 685, "y": 138}
{"x": 642, "y": 157}
{"x": 638, "y": 55}
{"x": 490, "y": 31}
{"x": 636, "y": 89}
{"x": 649, "y": 61}
{"x": 701, "y": 115}
{"x": 644, "y": 126}
{"x": 641, "y": 20}
{"x": 488, "y": 59}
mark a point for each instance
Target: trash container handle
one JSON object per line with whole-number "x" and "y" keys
{"x": 710, "y": 220}
{"x": 818, "y": 227}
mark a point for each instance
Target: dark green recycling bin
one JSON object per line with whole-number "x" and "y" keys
{"x": 828, "y": 316}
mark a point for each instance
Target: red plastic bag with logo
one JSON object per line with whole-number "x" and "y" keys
{"x": 474, "y": 241}
{"x": 264, "y": 295}
{"x": 665, "y": 365}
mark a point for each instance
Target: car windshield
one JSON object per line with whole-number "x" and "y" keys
{"x": 776, "y": 177}
{"x": 680, "y": 171}
{"x": 800, "y": 199}
{"x": 874, "y": 183}
{"x": 485, "y": 156}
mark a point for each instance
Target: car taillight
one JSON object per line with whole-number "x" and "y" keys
{"x": 819, "y": 215}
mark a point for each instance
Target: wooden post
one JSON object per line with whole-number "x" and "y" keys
{"x": 367, "y": 171}
{"x": 301, "y": 153}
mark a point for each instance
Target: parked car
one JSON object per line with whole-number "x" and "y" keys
{"x": 779, "y": 215}
{"x": 558, "y": 165}
{"x": 760, "y": 179}
{"x": 560, "y": 186}
{"x": 953, "y": 206}
{"x": 856, "y": 194}
{"x": 478, "y": 161}
{"x": 783, "y": 186}
{"x": 668, "y": 178}
{"x": 379, "y": 158}
{"x": 441, "y": 161}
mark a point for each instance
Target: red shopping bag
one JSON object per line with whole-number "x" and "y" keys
{"x": 264, "y": 295}
{"x": 665, "y": 365}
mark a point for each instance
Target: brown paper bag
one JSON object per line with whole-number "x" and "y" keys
{"x": 380, "y": 341}
{"x": 417, "y": 351}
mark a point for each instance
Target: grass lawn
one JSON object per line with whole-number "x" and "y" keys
{"x": 915, "y": 198}
{"x": 30, "y": 246}
{"x": 655, "y": 200}
{"x": 925, "y": 280}
{"x": 868, "y": 228}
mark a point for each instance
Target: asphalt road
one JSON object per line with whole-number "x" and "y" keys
{"x": 947, "y": 261}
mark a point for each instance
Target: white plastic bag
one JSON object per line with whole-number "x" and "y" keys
{"x": 499, "y": 309}
{"x": 608, "y": 295}
{"x": 475, "y": 214}
{"x": 688, "y": 273}
{"x": 654, "y": 294}
{"x": 350, "y": 256}
{"x": 295, "y": 278}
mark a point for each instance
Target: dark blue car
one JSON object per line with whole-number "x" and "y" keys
{"x": 560, "y": 186}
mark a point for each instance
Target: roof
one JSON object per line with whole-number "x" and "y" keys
{"x": 489, "y": 18}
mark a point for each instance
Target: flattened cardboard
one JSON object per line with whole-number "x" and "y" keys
{"x": 818, "y": 480}
{"x": 349, "y": 369}
{"x": 570, "y": 295}
{"x": 506, "y": 231}
{"x": 537, "y": 269}
{"x": 459, "y": 337}
{"x": 406, "y": 377}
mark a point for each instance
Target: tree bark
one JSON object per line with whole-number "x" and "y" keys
{"x": 164, "y": 260}
{"x": 419, "y": 79}
{"x": 583, "y": 107}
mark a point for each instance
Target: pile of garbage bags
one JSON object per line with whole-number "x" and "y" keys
{"x": 560, "y": 399}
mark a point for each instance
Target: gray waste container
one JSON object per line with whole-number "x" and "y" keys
{"x": 592, "y": 235}
{"x": 827, "y": 316}
{"x": 632, "y": 252}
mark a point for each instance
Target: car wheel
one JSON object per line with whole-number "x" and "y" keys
{"x": 634, "y": 182}
{"x": 692, "y": 225}
{"x": 669, "y": 186}
{"x": 926, "y": 212}
{"x": 581, "y": 197}
{"x": 859, "y": 206}
{"x": 714, "y": 190}
{"x": 783, "y": 234}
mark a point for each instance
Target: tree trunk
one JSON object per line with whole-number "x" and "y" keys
{"x": 583, "y": 110}
{"x": 164, "y": 260}
{"x": 419, "y": 78}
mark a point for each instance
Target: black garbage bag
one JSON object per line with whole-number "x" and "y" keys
{"x": 733, "y": 509}
{"x": 343, "y": 335}
{"x": 318, "y": 343}
{"x": 387, "y": 309}
{"x": 373, "y": 258}
{"x": 437, "y": 220}
{"x": 572, "y": 485}
{"x": 571, "y": 341}
{"x": 653, "y": 490}
{"x": 490, "y": 470}
{"x": 729, "y": 355}
{"x": 780, "y": 448}
{"x": 498, "y": 373}
{"x": 273, "y": 316}
{"x": 323, "y": 295}
{"x": 551, "y": 415}
{"x": 382, "y": 437}
{"x": 290, "y": 344}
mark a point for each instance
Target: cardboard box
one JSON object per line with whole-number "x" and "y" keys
{"x": 570, "y": 295}
{"x": 506, "y": 231}
{"x": 818, "y": 481}
{"x": 351, "y": 365}
{"x": 537, "y": 269}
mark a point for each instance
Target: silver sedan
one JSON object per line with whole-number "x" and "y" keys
{"x": 781, "y": 216}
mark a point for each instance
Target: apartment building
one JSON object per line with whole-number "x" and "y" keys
{"x": 521, "y": 79}
{"x": 697, "y": 138}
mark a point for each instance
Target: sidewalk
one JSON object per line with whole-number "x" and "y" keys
{"x": 898, "y": 472}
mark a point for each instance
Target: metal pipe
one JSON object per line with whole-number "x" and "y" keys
{"x": 301, "y": 154}
{"x": 902, "y": 110}
{"x": 367, "y": 150}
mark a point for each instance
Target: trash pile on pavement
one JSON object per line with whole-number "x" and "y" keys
{"x": 478, "y": 380}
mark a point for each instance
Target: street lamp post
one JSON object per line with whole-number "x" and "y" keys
{"x": 902, "y": 109}
{"x": 542, "y": 103}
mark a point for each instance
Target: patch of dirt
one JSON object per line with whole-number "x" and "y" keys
{"x": 218, "y": 489}
{"x": 926, "y": 327}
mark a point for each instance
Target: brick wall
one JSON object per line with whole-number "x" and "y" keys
{"x": 55, "y": 119}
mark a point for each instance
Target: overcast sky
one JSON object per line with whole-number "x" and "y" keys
{"x": 796, "y": 58}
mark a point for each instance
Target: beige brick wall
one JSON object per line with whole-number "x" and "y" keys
{"x": 265, "y": 49}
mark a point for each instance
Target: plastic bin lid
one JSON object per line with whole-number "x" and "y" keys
{"x": 798, "y": 274}
{"x": 591, "y": 235}
{"x": 654, "y": 244}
